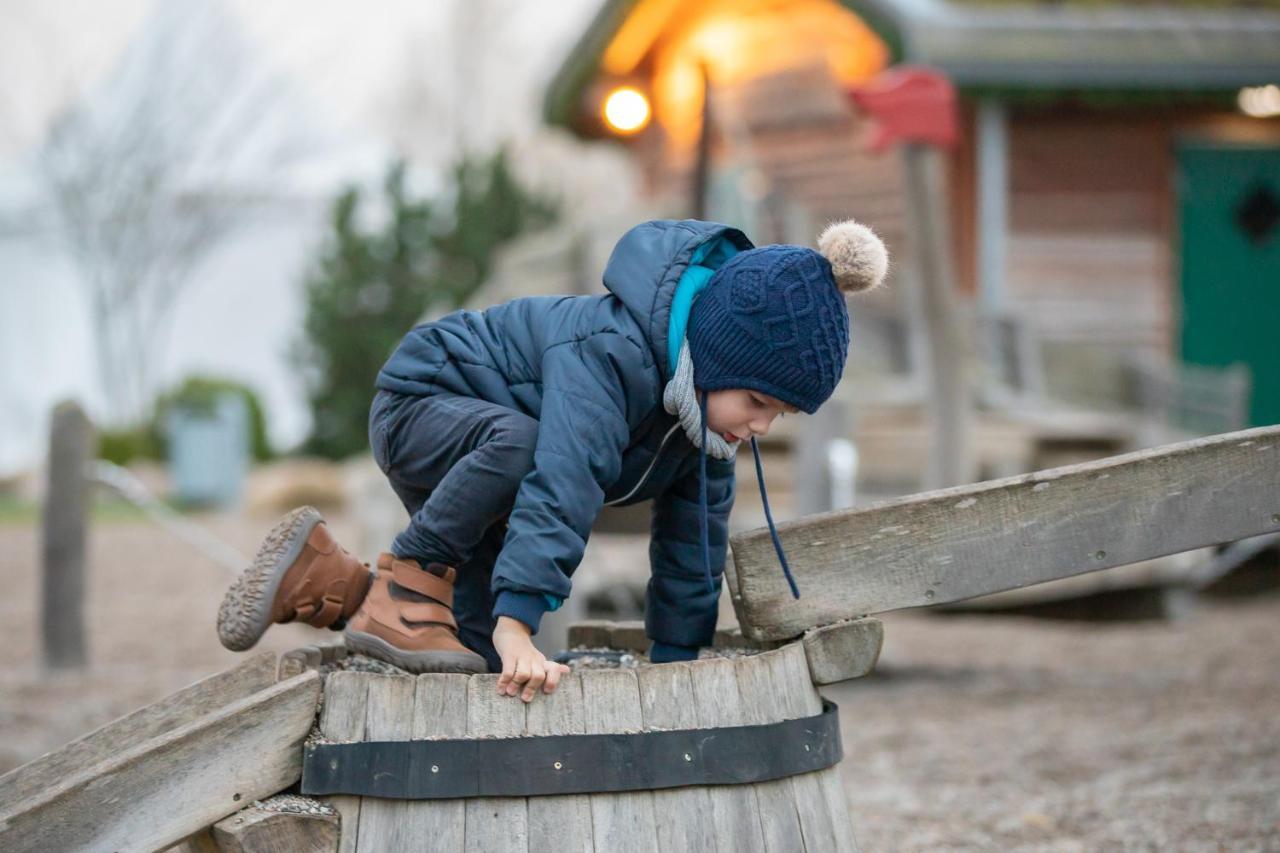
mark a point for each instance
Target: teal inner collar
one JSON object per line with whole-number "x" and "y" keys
{"x": 706, "y": 259}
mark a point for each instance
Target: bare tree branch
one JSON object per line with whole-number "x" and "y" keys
{"x": 142, "y": 175}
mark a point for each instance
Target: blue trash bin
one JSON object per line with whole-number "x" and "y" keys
{"x": 209, "y": 452}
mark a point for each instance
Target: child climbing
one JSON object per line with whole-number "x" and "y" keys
{"x": 505, "y": 431}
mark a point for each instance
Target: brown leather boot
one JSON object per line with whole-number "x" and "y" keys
{"x": 419, "y": 636}
{"x": 300, "y": 573}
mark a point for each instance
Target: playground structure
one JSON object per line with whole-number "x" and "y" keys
{"x": 189, "y": 766}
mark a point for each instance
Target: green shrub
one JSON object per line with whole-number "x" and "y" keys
{"x": 367, "y": 288}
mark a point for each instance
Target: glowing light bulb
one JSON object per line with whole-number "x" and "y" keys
{"x": 626, "y": 110}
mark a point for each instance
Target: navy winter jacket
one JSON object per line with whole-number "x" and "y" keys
{"x": 592, "y": 369}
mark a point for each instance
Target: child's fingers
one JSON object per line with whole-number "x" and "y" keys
{"x": 555, "y": 672}
{"x": 524, "y": 671}
{"x": 535, "y": 681}
{"x": 508, "y": 671}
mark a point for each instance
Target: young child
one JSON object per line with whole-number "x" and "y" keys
{"x": 505, "y": 431}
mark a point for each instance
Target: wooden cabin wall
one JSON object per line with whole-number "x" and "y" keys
{"x": 1091, "y": 233}
{"x": 800, "y": 131}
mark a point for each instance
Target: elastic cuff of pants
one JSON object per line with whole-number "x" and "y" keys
{"x": 528, "y": 607}
{"x": 667, "y": 653}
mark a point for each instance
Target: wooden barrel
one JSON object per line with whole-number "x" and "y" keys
{"x": 807, "y": 811}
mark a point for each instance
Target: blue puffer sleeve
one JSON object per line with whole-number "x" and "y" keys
{"x": 589, "y": 387}
{"x": 679, "y": 609}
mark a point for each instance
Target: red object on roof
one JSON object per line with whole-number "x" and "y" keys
{"x": 910, "y": 103}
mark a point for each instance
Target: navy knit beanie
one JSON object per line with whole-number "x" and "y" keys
{"x": 774, "y": 319}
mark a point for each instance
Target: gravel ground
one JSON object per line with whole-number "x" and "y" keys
{"x": 977, "y": 733}
{"x": 981, "y": 733}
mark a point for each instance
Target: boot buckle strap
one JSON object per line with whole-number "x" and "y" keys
{"x": 329, "y": 609}
{"x": 423, "y": 582}
{"x": 426, "y": 611}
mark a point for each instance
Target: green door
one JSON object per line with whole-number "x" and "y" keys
{"x": 1229, "y": 206}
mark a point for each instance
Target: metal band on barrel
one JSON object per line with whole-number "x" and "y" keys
{"x": 573, "y": 764}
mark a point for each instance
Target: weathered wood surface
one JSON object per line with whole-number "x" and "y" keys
{"x": 199, "y": 842}
{"x": 762, "y": 694}
{"x": 259, "y": 830}
{"x": 164, "y": 789}
{"x": 397, "y": 707}
{"x": 625, "y": 821}
{"x": 440, "y": 711}
{"x": 342, "y": 720}
{"x": 682, "y": 816}
{"x": 560, "y": 822}
{"x": 218, "y": 690}
{"x": 820, "y": 803}
{"x": 310, "y": 657}
{"x": 65, "y": 525}
{"x": 735, "y": 812}
{"x": 629, "y": 635}
{"x": 386, "y": 824}
{"x": 971, "y": 540}
{"x": 844, "y": 650}
{"x": 494, "y": 823}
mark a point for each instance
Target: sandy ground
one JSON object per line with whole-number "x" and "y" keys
{"x": 977, "y": 733}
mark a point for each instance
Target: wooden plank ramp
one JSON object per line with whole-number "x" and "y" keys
{"x": 253, "y": 674}
{"x": 966, "y": 541}
{"x": 166, "y": 787}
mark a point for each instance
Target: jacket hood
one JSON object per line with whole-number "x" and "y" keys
{"x": 646, "y": 265}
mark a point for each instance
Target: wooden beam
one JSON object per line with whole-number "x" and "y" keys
{"x": 629, "y": 636}
{"x": 971, "y": 540}
{"x": 164, "y": 789}
{"x": 844, "y": 650}
{"x": 255, "y": 830}
{"x": 255, "y": 673}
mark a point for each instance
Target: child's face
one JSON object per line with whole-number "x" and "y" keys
{"x": 739, "y": 413}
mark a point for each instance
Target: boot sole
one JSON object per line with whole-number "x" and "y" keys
{"x": 376, "y": 647}
{"x": 245, "y": 613}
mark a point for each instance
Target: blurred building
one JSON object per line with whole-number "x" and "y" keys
{"x": 1114, "y": 198}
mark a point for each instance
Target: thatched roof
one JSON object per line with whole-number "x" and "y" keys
{"x": 1069, "y": 45}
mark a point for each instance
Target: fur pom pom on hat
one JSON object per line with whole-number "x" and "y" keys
{"x": 859, "y": 260}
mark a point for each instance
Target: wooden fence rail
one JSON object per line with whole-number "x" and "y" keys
{"x": 962, "y": 542}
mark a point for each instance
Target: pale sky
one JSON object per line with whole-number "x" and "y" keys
{"x": 378, "y": 78}
{"x": 350, "y": 58}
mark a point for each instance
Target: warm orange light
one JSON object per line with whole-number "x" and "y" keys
{"x": 1260, "y": 101}
{"x": 626, "y": 110}
{"x": 728, "y": 42}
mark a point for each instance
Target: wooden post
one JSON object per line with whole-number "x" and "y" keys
{"x": 65, "y": 524}
{"x": 916, "y": 107}
{"x": 951, "y": 459}
{"x": 819, "y": 432}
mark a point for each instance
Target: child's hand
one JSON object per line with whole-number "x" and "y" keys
{"x": 522, "y": 664}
